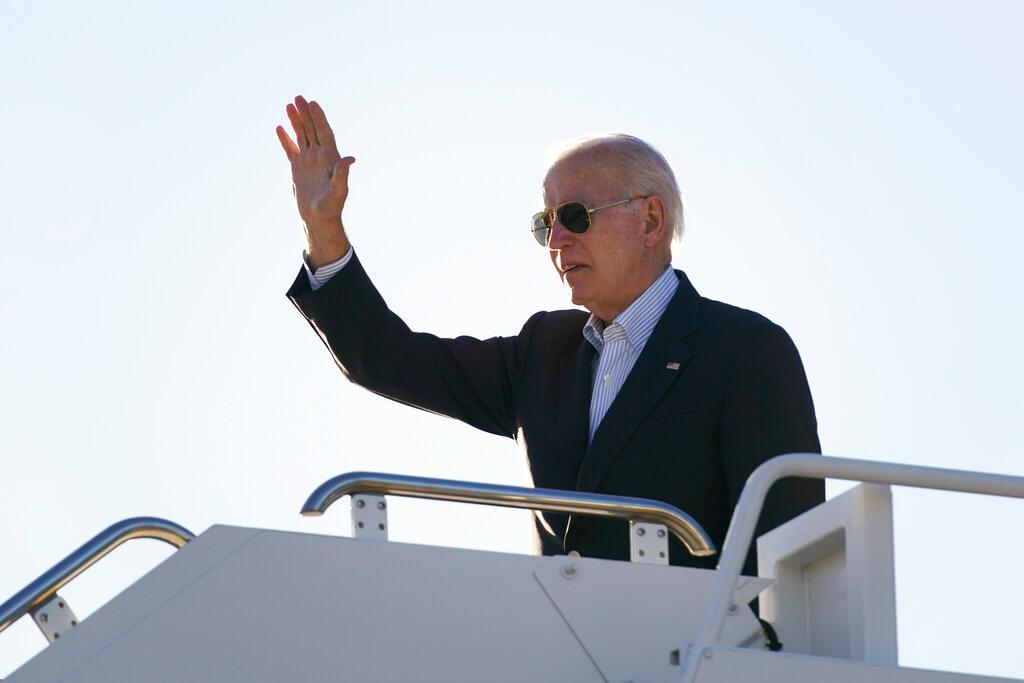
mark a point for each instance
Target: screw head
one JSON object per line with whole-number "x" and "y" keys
{"x": 380, "y": 526}
{"x": 381, "y": 505}
{"x": 360, "y": 503}
{"x": 661, "y": 533}
{"x": 44, "y": 617}
{"x": 708, "y": 654}
{"x": 569, "y": 570}
{"x": 640, "y": 531}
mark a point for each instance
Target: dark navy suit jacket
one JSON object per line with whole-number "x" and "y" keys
{"x": 689, "y": 436}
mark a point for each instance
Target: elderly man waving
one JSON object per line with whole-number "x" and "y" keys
{"x": 657, "y": 392}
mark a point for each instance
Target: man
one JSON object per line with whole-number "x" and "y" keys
{"x": 657, "y": 393}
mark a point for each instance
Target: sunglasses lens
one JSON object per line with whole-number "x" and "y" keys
{"x": 542, "y": 227}
{"x": 574, "y": 217}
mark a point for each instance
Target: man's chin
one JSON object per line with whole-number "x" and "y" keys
{"x": 577, "y": 296}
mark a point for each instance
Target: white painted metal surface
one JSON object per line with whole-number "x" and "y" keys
{"x": 54, "y": 618}
{"x": 631, "y": 634}
{"x": 748, "y": 510}
{"x": 648, "y": 543}
{"x": 245, "y": 604}
{"x": 729, "y": 665}
{"x": 835, "y": 587}
{"x": 248, "y": 605}
{"x": 370, "y": 516}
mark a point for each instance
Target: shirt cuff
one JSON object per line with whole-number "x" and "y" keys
{"x": 321, "y": 275}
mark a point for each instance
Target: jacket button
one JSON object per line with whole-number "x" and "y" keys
{"x": 574, "y": 553}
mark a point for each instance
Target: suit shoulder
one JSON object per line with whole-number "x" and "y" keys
{"x": 553, "y": 327}
{"x": 558, "y": 321}
{"x": 734, "y": 321}
{"x": 735, "y": 330}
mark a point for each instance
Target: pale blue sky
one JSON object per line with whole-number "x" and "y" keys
{"x": 851, "y": 170}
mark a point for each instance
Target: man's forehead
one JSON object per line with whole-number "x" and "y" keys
{"x": 579, "y": 176}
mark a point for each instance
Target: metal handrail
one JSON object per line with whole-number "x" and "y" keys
{"x": 47, "y": 585}
{"x": 675, "y": 520}
{"x": 812, "y": 465}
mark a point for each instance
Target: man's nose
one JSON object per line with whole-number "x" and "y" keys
{"x": 560, "y": 236}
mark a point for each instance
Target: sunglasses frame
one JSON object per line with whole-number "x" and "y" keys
{"x": 552, "y": 216}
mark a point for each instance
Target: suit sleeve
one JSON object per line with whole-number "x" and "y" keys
{"x": 472, "y": 380}
{"x": 767, "y": 412}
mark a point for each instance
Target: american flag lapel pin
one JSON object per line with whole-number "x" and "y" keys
{"x": 672, "y": 366}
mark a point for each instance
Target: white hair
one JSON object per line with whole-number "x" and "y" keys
{"x": 642, "y": 167}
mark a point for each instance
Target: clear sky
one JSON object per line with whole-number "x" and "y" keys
{"x": 851, "y": 170}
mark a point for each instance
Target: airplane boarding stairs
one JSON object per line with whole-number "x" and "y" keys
{"x": 239, "y": 604}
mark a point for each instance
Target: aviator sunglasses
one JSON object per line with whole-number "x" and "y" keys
{"x": 575, "y": 216}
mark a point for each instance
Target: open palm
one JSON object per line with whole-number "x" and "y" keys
{"x": 319, "y": 172}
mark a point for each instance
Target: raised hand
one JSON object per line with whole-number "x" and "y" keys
{"x": 319, "y": 180}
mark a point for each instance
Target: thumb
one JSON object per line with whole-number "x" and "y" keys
{"x": 339, "y": 179}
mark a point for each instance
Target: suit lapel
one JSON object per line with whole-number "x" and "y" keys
{"x": 648, "y": 381}
{"x": 574, "y": 388}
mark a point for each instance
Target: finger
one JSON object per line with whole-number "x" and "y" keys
{"x": 339, "y": 180}
{"x": 307, "y": 120}
{"x": 323, "y": 129}
{"x": 300, "y": 130}
{"x": 287, "y": 143}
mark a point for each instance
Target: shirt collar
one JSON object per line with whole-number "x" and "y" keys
{"x": 640, "y": 317}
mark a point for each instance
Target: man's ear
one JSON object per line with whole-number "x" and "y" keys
{"x": 653, "y": 214}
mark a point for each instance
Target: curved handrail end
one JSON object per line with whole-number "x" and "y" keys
{"x": 47, "y": 585}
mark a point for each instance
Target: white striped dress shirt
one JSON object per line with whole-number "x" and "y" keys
{"x": 620, "y": 343}
{"x": 319, "y": 278}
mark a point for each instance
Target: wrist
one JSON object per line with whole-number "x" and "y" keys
{"x": 325, "y": 254}
{"x": 325, "y": 244}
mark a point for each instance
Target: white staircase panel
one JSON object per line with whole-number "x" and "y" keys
{"x": 241, "y": 604}
{"x": 728, "y": 665}
{"x": 244, "y": 604}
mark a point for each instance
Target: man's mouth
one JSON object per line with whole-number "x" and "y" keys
{"x": 572, "y": 268}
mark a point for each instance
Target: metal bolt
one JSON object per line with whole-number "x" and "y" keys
{"x": 381, "y": 505}
{"x": 661, "y": 554}
{"x": 360, "y": 503}
{"x": 708, "y": 654}
{"x": 640, "y": 531}
{"x": 641, "y": 553}
{"x": 569, "y": 570}
{"x": 44, "y": 618}
{"x": 380, "y": 526}
{"x": 359, "y": 524}
{"x": 661, "y": 533}
{"x": 732, "y": 608}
